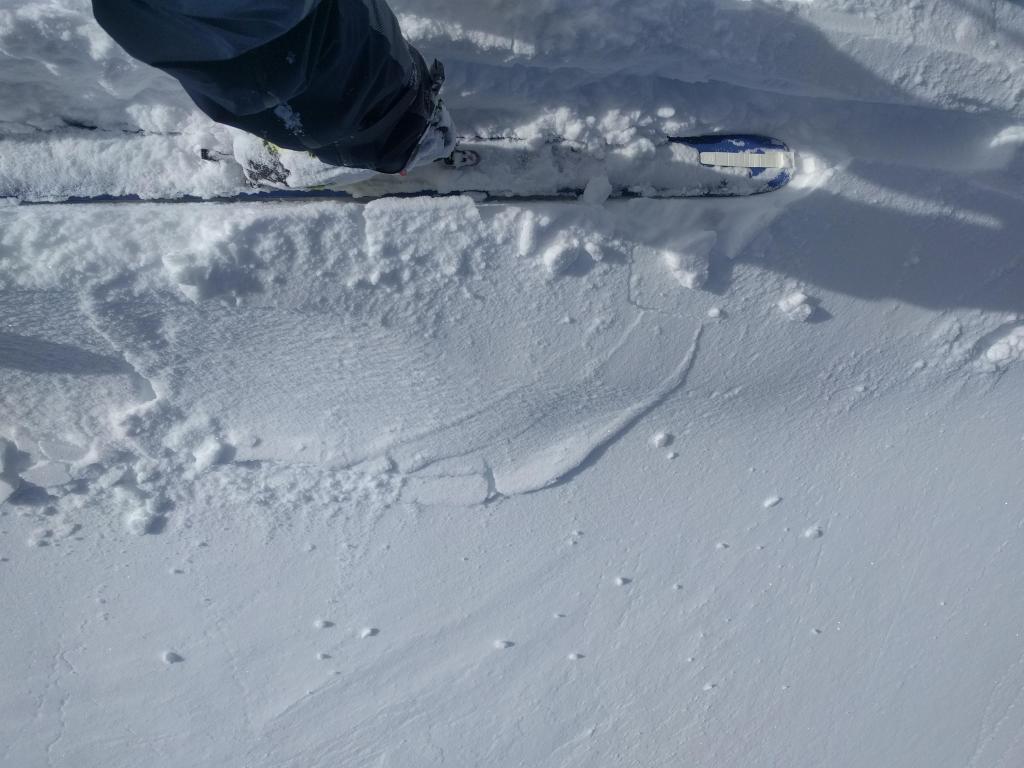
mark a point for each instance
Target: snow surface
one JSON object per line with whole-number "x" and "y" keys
{"x": 318, "y": 484}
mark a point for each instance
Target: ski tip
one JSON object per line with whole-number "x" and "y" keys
{"x": 763, "y": 157}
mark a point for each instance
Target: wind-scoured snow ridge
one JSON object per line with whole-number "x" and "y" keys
{"x": 569, "y": 455}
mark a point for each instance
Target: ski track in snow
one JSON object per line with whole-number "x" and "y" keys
{"x": 428, "y": 481}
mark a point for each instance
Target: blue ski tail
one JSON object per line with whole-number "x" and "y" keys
{"x": 743, "y": 143}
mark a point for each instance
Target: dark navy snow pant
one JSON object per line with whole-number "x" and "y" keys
{"x": 334, "y": 77}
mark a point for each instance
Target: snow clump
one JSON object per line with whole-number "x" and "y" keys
{"x": 797, "y": 307}
{"x": 209, "y": 453}
{"x": 688, "y": 261}
{"x": 1005, "y": 350}
{"x": 661, "y": 439}
{"x": 140, "y": 515}
{"x": 559, "y": 257}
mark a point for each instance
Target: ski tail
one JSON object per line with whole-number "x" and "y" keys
{"x": 759, "y": 154}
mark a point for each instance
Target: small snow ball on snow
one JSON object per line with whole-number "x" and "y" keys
{"x": 560, "y": 256}
{"x": 687, "y": 271}
{"x": 501, "y": 644}
{"x": 797, "y": 306}
{"x": 210, "y": 452}
{"x": 661, "y": 439}
{"x": 622, "y": 581}
{"x": 170, "y": 657}
{"x": 369, "y": 632}
{"x": 323, "y": 624}
{"x": 814, "y": 532}
{"x": 715, "y": 313}
{"x": 772, "y": 501}
{"x": 575, "y": 656}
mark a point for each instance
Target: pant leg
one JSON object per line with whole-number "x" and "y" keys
{"x": 341, "y": 83}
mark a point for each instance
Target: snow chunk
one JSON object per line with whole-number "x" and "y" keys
{"x": 797, "y": 307}
{"x": 139, "y": 514}
{"x": 814, "y": 532}
{"x": 527, "y": 234}
{"x": 170, "y": 657}
{"x": 47, "y": 474}
{"x": 688, "y": 260}
{"x": 661, "y": 439}
{"x": 199, "y": 437}
{"x": 597, "y": 191}
{"x": 688, "y": 278}
{"x": 141, "y": 520}
{"x": 369, "y": 632}
{"x": 502, "y": 644}
{"x": 210, "y": 452}
{"x": 1007, "y": 349}
{"x": 772, "y": 501}
{"x": 560, "y": 256}
{"x": 57, "y": 450}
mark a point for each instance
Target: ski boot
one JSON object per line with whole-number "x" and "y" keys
{"x": 461, "y": 158}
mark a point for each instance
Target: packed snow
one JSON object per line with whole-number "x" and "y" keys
{"x": 444, "y": 481}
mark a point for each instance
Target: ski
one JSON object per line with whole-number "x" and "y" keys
{"x": 717, "y": 165}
